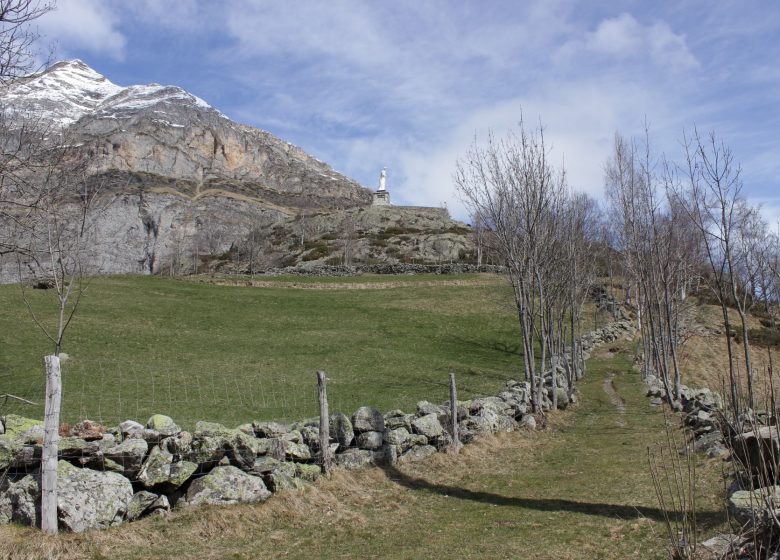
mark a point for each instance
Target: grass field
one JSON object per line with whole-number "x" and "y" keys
{"x": 580, "y": 491}
{"x": 193, "y": 350}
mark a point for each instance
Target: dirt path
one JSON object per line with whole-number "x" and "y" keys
{"x": 617, "y": 400}
{"x": 579, "y": 491}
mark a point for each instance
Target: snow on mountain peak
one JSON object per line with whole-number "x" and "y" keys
{"x": 68, "y": 90}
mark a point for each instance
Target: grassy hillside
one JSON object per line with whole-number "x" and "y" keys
{"x": 580, "y": 491}
{"x": 142, "y": 345}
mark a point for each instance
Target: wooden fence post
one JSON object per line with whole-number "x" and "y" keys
{"x": 51, "y": 436}
{"x": 454, "y": 414}
{"x": 324, "y": 424}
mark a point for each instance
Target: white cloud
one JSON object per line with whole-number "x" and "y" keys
{"x": 624, "y": 38}
{"x": 84, "y": 24}
{"x": 580, "y": 120}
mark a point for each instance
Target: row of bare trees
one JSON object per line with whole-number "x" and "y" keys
{"x": 679, "y": 225}
{"x": 541, "y": 230}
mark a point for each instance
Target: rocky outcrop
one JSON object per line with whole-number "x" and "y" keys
{"x": 175, "y": 175}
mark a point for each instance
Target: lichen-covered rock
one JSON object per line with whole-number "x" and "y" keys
{"x": 6, "y": 507}
{"x": 270, "y": 429}
{"x": 240, "y": 447}
{"x": 368, "y": 419}
{"x": 417, "y": 453}
{"x": 370, "y": 440}
{"x": 297, "y": 451}
{"x": 398, "y": 438}
{"x": 341, "y": 430}
{"x": 2, "y": 427}
{"x": 88, "y": 499}
{"x": 280, "y": 482}
{"x": 18, "y": 427}
{"x": 424, "y": 408}
{"x": 140, "y": 502}
{"x": 353, "y": 459}
{"x": 227, "y": 485}
{"x": 293, "y": 436}
{"x": 428, "y": 426}
{"x": 25, "y": 497}
{"x": 24, "y": 457}
{"x": 398, "y": 419}
{"x": 8, "y": 451}
{"x": 164, "y": 425}
{"x": 160, "y": 470}
{"x": 75, "y": 448}
{"x": 205, "y": 451}
{"x": 310, "y": 473}
{"x": 131, "y": 429}
{"x": 127, "y": 457}
{"x": 311, "y": 437}
{"x": 265, "y": 465}
{"x": 748, "y": 506}
{"x": 528, "y": 422}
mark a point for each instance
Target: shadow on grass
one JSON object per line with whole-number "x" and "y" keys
{"x": 705, "y": 519}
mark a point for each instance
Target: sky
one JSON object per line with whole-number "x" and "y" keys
{"x": 411, "y": 85}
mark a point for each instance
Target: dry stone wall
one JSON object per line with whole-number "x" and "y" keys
{"x": 109, "y": 475}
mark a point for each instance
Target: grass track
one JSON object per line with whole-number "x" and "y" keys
{"x": 581, "y": 491}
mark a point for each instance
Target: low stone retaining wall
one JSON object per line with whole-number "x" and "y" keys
{"x": 399, "y": 268}
{"x": 108, "y": 475}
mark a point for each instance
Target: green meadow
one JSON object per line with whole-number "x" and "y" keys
{"x": 195, "y": 350}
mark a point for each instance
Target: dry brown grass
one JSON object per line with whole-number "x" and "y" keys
{"x": 704, "y": 357}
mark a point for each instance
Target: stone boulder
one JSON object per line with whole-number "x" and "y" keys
{"x": 240, "y": 448}
{"x": 398, "y": 419}
{"x": 748, "y": 506}
{"x": 163, "y": 425}
{"x": 758, "y": 450}
{"x": 19, "y": 428}
{"x": 6, "y": 507}
{"x": 368, "y": 419}
{"x": 131, "y": 429}
{"x": 417, "y": 453}
{"x": 354, "y": 459}
{"x": 270, "y": 429}
{"x": 370, "y": 440}
{"x": 160, "y": 470}
{"x": 146, "y": 503}
{"x": 127, "y": 457}
{"x": 341, "y": 430}
{"x": 428, "y": 426}
{"x": 227, "y": 485}
{"x": 88, "y": 499}
{"x": 424, "y": 408}
{"x": 25, "y": 498}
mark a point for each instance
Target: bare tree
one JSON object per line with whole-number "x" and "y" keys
{"x": 18, "y": 38}
{"x": 730, "y": 230}
{"x": 511, "y": 184}
{"x": 653, "y": 234}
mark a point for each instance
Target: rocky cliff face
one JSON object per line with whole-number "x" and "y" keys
{"x": 179, "y": 172}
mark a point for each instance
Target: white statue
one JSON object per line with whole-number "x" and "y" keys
{"x": 382, "y": 178}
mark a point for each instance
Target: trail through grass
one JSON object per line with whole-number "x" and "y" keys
{"x": 579, "y": 491}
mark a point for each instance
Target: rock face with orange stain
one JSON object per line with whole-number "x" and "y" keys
{"x": 185, "y": 179}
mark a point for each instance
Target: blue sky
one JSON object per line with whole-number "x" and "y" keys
{"x": 408, "y": 85}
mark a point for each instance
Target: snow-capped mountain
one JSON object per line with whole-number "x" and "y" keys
{"x": 68, "y": 90}
{"x": 175, "y": 165}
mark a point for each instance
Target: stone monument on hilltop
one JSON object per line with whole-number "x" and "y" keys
{"x": 381, "y": 196}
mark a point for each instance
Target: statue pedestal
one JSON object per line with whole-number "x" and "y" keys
{"x": 381, "y": 198}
